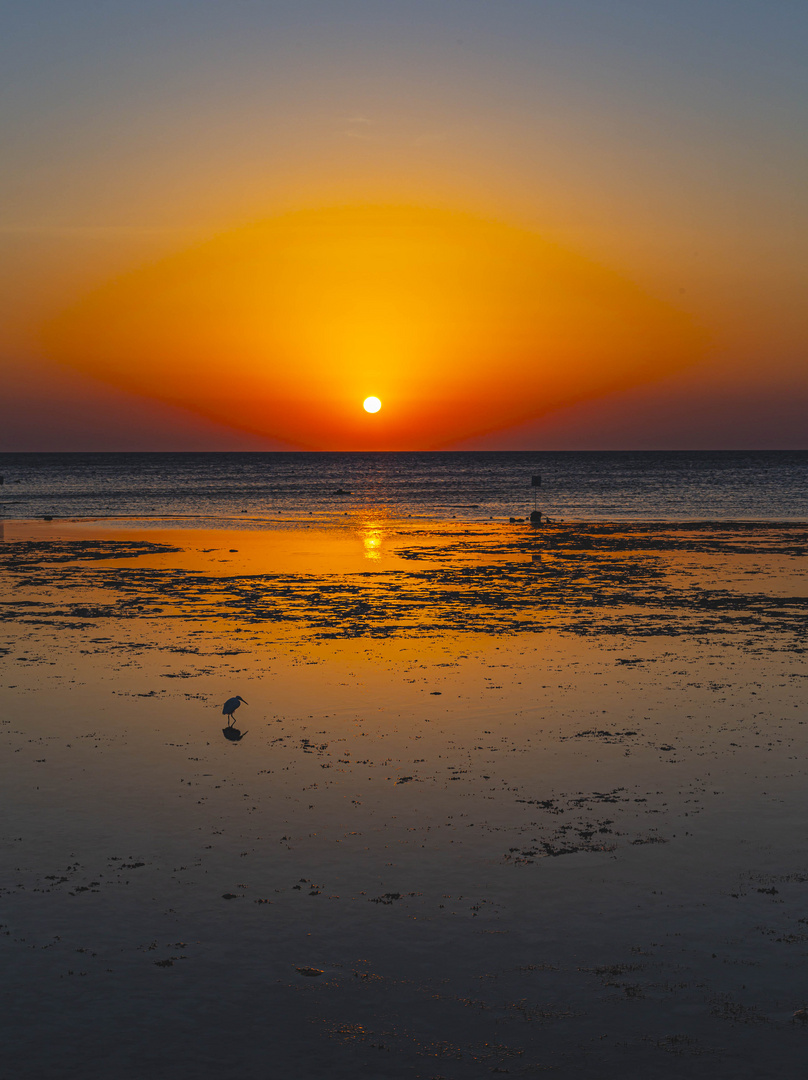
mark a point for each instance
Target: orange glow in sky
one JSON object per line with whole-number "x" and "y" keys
{"x": 519, "y": 226}
{"x": 459, "y": 324}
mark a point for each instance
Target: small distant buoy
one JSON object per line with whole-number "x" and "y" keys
{"x": 535, "y": 481}
{"x": 535, "y": 517}
{"x": 47, "y": 518}
{"x": 340, "y": 491}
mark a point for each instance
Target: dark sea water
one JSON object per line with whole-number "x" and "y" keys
{"x": 472, "y": 486}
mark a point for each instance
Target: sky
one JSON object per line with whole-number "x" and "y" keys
{"x": 535, "y": 224}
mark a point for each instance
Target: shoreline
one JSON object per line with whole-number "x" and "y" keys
{"x": 487, "y": 813}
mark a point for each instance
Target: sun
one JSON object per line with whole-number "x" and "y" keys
{"x": 371, "y": 404}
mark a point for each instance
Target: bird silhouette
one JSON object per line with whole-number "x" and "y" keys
{"x": 232, "y": 733}
{"x": 231, "y": 705}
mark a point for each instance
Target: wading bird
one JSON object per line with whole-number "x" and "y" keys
{"x": 231, "y": 705}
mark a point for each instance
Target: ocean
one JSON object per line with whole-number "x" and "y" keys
{"x": 259, "y": 489}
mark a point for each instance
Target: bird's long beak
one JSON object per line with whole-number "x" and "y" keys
{"x": 243, "y": 701}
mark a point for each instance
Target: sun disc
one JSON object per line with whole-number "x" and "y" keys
{"x": 371, "y": 404}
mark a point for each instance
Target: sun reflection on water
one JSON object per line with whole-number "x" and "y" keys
{"x": 372, "y": 535}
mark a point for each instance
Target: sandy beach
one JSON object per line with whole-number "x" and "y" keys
{"x": 507, "y": 800}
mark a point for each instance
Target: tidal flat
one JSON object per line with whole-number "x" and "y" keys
{"x": 507, "y": 800}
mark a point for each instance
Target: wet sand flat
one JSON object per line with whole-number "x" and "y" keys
{"x": 508, "y": 800}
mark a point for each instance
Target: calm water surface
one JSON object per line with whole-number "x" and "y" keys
{"x": 662, "y": 486}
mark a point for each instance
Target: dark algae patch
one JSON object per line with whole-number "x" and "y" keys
{"x": 593, "y": 579}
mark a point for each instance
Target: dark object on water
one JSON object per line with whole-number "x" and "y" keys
{"x": 310, "y": 971}
{"x": 535, "y": 517}
{"x": 535, "y": 481}
{"x": 46, "y": 517}
{"x": 229, "y": 707}
{"x": 227, "y": 710}
{"x": 340, "y": 491}
{"x": 232, "y": 704}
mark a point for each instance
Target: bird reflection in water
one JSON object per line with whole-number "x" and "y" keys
{"x": 232, "y": 733}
